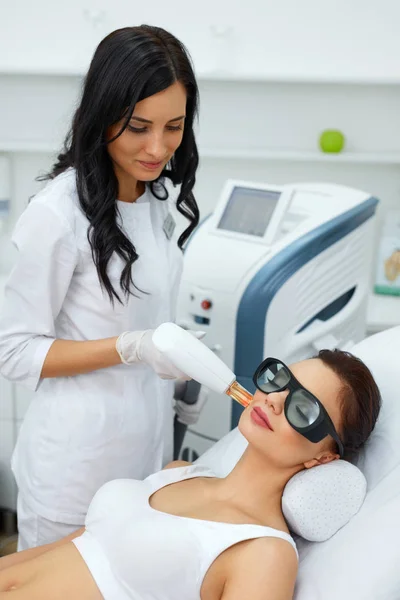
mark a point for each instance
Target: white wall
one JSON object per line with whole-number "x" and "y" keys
{"x": 272, "y": 75}
{"x": 307, "y": 39}
{"x": 257, "y": 129}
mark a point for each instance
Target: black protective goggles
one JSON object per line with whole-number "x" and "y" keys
{"x": 303, "y": 410}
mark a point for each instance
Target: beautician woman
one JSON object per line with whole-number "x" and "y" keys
{"x": 98, "y": 268}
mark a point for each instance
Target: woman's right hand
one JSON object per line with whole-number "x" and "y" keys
{"x": 138, "y": 347}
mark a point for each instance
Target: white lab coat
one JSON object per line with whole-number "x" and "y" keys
{"x": 82, "y": 431}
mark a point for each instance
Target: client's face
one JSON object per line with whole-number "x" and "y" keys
{"x": 280, "y": 443}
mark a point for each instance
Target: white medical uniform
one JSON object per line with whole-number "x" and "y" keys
{"x": 82, "y": 431}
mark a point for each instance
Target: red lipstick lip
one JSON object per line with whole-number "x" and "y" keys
{"x": 263, "y": 416}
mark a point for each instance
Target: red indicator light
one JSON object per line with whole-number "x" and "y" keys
{"x": 206, "y": 304}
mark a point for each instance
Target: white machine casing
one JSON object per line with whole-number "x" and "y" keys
{"x": 300, "y": 286}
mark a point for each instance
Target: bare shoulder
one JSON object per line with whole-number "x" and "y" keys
{"x": 258, "y": 565}
{"x": 177, "y": 463}
{"x": 274, "y": 550}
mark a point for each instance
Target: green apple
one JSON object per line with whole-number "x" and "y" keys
{"x": 331, "y": 140}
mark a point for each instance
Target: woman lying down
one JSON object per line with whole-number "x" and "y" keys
{"x": 184, "y": 534}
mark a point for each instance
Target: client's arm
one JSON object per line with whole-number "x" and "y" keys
{"x": 264, "y": 569}
{"x": 21, "y": 557}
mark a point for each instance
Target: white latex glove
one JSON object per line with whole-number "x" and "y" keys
{"x": 189, "y": 414}
{"x": 137, "y": 347}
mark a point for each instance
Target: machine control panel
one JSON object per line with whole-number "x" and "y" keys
{"x": 251, "y": 211}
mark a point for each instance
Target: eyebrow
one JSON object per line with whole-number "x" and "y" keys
{"x": 147, "y": 121}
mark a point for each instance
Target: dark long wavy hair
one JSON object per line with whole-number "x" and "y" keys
{"x": 129, "y": 65}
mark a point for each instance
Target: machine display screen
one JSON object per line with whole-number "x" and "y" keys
{"x": 249, "y": 211}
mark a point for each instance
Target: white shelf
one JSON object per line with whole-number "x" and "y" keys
{"x": 383, "y": 312}
{"x": 217, "y": 75}
{"x": 28, "y": 146}
{"x": 385, "y": 158}
{"x": 293, "y": 78}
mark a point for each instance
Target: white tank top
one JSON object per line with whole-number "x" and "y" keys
{"x": 135, "y": 552}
